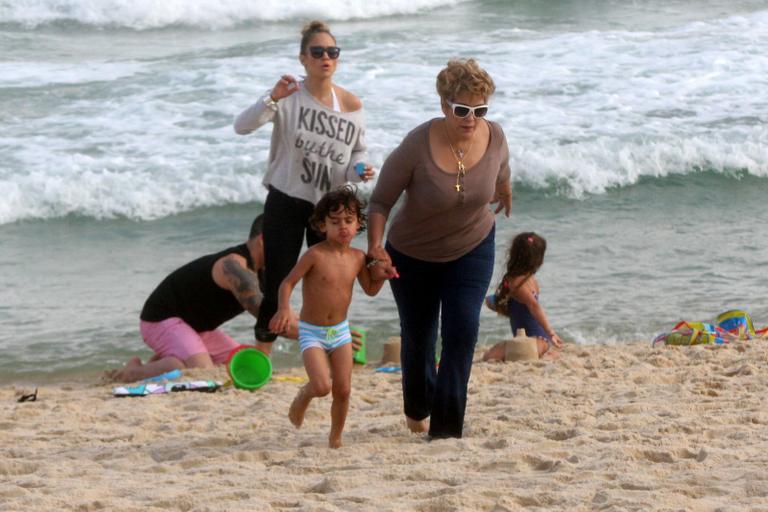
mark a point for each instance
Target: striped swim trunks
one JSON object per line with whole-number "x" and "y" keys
{"x": 326, "y": 337}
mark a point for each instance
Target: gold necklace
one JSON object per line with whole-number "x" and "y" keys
{"x": 459, "y": 157}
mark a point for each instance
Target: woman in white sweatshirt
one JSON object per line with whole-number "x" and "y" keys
{"x": 318, "y": 144}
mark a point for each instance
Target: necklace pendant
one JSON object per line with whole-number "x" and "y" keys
{"x": 461, "y": 168}
{"x": 458, "y": 187}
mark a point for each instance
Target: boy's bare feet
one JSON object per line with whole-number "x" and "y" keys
{"x": 417, "y": 426}
{"x": 298, "y": 408}
{"x": 334, "y": 442}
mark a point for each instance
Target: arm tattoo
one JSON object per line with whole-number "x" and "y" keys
{"x": 245, "y": 285}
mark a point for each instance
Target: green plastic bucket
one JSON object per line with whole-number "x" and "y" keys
{"x": 249, "y": 368}
{"x": 358, "y": 356}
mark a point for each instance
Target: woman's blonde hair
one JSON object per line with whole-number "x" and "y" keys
{"x": 464, "y": 75}
{"x": 309, "y": 31}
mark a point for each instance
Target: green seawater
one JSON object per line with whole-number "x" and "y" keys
{"x": 621, "y": 266}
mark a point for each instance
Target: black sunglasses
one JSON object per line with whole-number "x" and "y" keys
{"x": 317, "y": 51}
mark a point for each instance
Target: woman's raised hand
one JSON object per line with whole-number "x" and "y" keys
{"x": 286, "y": 86}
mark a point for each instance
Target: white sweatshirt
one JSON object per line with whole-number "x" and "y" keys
{"x": 313, "y": 150}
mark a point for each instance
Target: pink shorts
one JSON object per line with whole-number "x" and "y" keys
{"x": 174, "y": 337}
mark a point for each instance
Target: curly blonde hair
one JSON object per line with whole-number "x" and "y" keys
{"x": 464, "y": 75}
{"x": 309, "y": 31}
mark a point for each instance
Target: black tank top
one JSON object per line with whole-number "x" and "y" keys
{"x": 191, "y": 294}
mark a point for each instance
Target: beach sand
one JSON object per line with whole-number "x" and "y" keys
{"x": 602, "y": 428}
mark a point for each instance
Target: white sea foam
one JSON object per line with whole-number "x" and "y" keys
{"x": 148, "y": 14}
{"x": 34, "y": 74}
{"x": 584, "y": 111}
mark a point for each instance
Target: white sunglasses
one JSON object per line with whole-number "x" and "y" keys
{"x": 463, "y": 111}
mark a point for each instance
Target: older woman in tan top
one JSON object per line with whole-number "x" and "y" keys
{"x": 441, "y": 241}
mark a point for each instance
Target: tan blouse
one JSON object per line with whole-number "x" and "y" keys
{"x": 435, "y": 222}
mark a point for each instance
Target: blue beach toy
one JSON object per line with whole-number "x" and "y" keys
{"x": 736, "y": 322}
{"x": 173, "y": 374}
{"x": 387, "y": 369}
{"x": 732, "y": 325}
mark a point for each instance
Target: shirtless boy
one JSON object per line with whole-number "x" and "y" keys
{"x": 329, "y": 270}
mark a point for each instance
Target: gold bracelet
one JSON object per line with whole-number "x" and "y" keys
{"x": 270, "y": 103}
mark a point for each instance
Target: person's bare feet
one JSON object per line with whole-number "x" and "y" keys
{"x": 546, "y": 351}
{"x": 495, "y": 353}
{"x": 334, "y": 442}
{"x": 298, "y": 408}
{"x": 417, "y": 426}
{"x": 126, "y": 373}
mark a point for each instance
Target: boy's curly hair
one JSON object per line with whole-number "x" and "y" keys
{"x": 343, "y": 198}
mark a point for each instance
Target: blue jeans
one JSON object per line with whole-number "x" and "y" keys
{"x": 425, "y": 290}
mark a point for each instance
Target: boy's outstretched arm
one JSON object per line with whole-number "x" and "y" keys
{"x": 369, "y": 285}
{"x": 284, "y": 314}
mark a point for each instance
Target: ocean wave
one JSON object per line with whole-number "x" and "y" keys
{"x": 147, "y": 196}
{"x": 110, "y": 194}
{"x": 598, "y": 166}
{"x": 124, "y": 133}
{"x": 155, "y": 14}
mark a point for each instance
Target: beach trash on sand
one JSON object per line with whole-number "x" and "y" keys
{"x": 730, "y": 326}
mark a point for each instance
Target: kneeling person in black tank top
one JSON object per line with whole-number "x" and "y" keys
{"x": 181, "y": 318}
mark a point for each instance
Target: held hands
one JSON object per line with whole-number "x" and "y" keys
{"x": 380, "y": 265}
{"x": 281, "y": 321}
{"x": 286, "y": 86}
{"x": 382, "y": 272}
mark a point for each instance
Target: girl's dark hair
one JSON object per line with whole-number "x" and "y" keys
{"x": 526, "y": 256}
{"x": 343, "y": 198}
{"x": 309, "y": 31}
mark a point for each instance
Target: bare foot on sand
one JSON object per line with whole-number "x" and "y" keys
{"x": 124, "y": 374}
{"x": 334, "y": 442}
{"x": 298, "y": 408}
{"x": 495, "y": 353}
{"x": 417, "y": 426}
